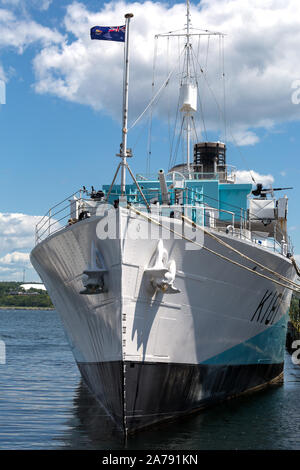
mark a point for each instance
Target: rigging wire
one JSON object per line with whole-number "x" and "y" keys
{"x": 149, "y": 143}
{"x": 178, "y": 52}
{"x": 168, "y": 95}
{"x": 173, "y": 161}
{"x": 194, "y": 127}
{"x": 206, "y": 60}
{"x": 165, "y": 83}
{"x": 220, "y": 76}
{"x": 198, "y": 47}
{"x": 198, "y": 94}
{"x": 173, "y": 138}
{"x": 224, "y": 88}
{"x": 221, "y": 112}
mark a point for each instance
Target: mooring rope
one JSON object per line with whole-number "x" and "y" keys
{"x": 222, "y": 242}
{"x": 150, "y": 219}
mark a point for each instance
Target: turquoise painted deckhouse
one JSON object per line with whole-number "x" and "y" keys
{"x": 209, "y": 184}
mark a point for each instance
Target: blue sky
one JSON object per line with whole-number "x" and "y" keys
{"x": 60, "y": 129}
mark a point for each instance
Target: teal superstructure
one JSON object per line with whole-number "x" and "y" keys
{"x": 232, "y": 198}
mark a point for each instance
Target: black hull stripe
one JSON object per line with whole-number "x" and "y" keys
{"x": 157, "y": 392}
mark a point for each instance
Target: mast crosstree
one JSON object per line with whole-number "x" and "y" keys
{"x": 188, "y": 85}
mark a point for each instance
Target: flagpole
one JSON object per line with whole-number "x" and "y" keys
{"x": 123, "y": 151}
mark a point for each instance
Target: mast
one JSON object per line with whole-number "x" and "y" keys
{"x": 123, "y": 149}
{"x": 188, "y": 44}
{"x": 188, "y": 86}
{"x": 124, "y": 152}
{"x": 188, "y": 91}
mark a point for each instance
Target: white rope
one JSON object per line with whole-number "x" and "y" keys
{"x": 295, "y": 266}
{"x": 222, "y": 242}
{"x": 214, "y": 252}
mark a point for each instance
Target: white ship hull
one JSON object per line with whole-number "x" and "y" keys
{"x": 149, "y": 355}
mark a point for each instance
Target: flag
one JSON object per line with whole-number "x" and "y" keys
{"x": 108, "y": 33}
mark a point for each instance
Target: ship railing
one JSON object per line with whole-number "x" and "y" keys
{"x": 236, "y": 223}
{"x": 211, "y": 217}
{"x": 185, "y": 176}
{"x": 224, "y": 173}
{"x": 55, "y": 217}
{"x": 227, "y": 173}
{"x": 241, "y": 228}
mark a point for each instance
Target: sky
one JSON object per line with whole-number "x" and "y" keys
{"x": 61, "y": 99}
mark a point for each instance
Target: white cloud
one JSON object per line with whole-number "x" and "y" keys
{"x": 259, "y": 74}
{"x": 5, "y": 270}
{"x": 244, "y": 176}
{"x": 243, "y": 137}
{"x": 15, "y": 257}
{"x": 42, "y": 4}
{"x": 20, "y": 31}
{"x": 39, "y": 4}
{"x": 17, "y": 238}
{"x": 17, "y": 231}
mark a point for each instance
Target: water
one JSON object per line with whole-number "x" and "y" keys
{"x": 45, "y": 405}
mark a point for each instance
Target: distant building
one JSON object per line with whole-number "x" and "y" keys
{"x": 38, "y": 286}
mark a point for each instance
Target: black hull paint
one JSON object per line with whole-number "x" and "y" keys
{"x": 157, "y": 392}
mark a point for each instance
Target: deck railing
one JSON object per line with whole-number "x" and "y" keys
{"x": 226, "y": 173}
{"x": 236, "y": 223}
{"x": 55, "y": 218}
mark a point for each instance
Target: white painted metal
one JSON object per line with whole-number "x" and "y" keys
{"x": 125, "y": 104}
{"x": 163, "y": 187}
{"x": 188, "y": 97}
{"x": 210, "y": 314}
{"x": 261, "y": 209}
{"x": 282, "y": 207}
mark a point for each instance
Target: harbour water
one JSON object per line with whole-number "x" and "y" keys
{"x": 44, "y": 404}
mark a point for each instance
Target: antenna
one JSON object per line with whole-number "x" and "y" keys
{"x": 188, "y": 86}
{"x": 188, "y": 44}
{"x": 187, "y": 115}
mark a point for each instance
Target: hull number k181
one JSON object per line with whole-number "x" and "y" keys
{"x": 268, "y": 307}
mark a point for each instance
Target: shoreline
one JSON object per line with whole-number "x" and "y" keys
{"x": 26, "y": 308}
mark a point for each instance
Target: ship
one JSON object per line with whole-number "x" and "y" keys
{"x": 173, "y": 288}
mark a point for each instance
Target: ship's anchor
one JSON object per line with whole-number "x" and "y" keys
{"x": 93, "y": 278}
{"x": 163, "y": 272}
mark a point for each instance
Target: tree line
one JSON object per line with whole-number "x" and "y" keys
{"x": 13, "y": 295}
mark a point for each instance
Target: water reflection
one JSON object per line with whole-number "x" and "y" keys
{"x": 267, "y": 419}
{"x": 90, "y": 427}
{"x": 45, "y": 405}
